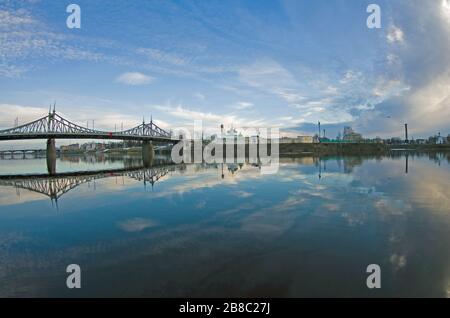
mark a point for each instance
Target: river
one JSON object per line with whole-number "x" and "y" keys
{"x": 199, "y": 230}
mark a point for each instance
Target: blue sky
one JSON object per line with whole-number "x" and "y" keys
{"x": 248, "y": 63}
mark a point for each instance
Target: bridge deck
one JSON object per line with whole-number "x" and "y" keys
{"x": 104, "y": 136}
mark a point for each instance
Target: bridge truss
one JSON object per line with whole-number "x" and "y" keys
{"x": 55, "y": 126}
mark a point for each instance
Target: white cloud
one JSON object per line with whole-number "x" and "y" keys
{"x": 163, "y": 57}
{"x": 243, "y": 105}
{"x": 392, "y": 59}
{"x": 134, "y": 79}
{"x": 192, "y": 115}
{"x": 291, "y": 96}
{"x": 200, "y": 96}
{"x": 10, "y": 70}
{"x": 317, "y": 94}
{"x": 446, "y": 10}
{"x": 429, "y": 106}
{"x": 25, "y": 114}
{"x": 267, "y": 75}
{"x": 212, "y": 121}
{"x": 420, "y": 72}
{"x": 10, "y": 19}
{"x": 351, "y": 76}
{"x": 24, "y": 39}
{"x": 395, "y": 34}
{"x": 386, "y": 88}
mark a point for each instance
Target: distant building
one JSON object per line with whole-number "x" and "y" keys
{"x": 305, "y": 139}
{"x": 316, "y": 139}
{"x": 351, "y": 135}
{"x": 378, "y": 140}
{"x": 232, "y": 133}
{"x": 297, "y": 140}
{"x": 420, "y": 141}
{"x": 253, "y": 139}
{"x": 93, "y": 146}
{"x": 437, "y": 139}
{"x": 325, "y": 139}
{"x": 440, "y": 140}
{"x": 348, "y": 130}
{"x": 73, "y": 147}
{"x": 395, "y": 141}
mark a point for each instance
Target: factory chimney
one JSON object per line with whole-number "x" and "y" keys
{"x": 406, "y": 133}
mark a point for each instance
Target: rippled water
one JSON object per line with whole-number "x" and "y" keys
{"x": 227, "y": 230}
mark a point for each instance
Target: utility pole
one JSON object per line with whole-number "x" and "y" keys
{"x": 406, "y": 133}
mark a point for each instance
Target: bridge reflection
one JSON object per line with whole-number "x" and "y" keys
{"x": 56, "y": 185}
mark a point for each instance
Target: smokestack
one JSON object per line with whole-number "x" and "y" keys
{"x": 406, "y": 133}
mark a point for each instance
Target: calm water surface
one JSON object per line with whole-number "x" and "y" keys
{"x": 213, "y": 230}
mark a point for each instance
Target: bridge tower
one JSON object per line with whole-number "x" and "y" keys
{"x": 148, "y": 152}
{"x": 51, "y": 146}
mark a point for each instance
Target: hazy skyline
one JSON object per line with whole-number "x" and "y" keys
{"x": 281, "y": 64}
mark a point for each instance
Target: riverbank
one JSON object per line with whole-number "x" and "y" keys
{"x": 293, "y": 149}
{"x": 353, "y": 148}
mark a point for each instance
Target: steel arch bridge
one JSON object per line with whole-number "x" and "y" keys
{"x": 54, "y": 126}
{"x": 57, "y": 185}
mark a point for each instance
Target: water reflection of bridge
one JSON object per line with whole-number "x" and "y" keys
{"x": 54, "y": 186}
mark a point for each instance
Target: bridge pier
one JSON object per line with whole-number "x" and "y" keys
{"x": 51, "y": 156}
{"x": 148, "y": 153}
